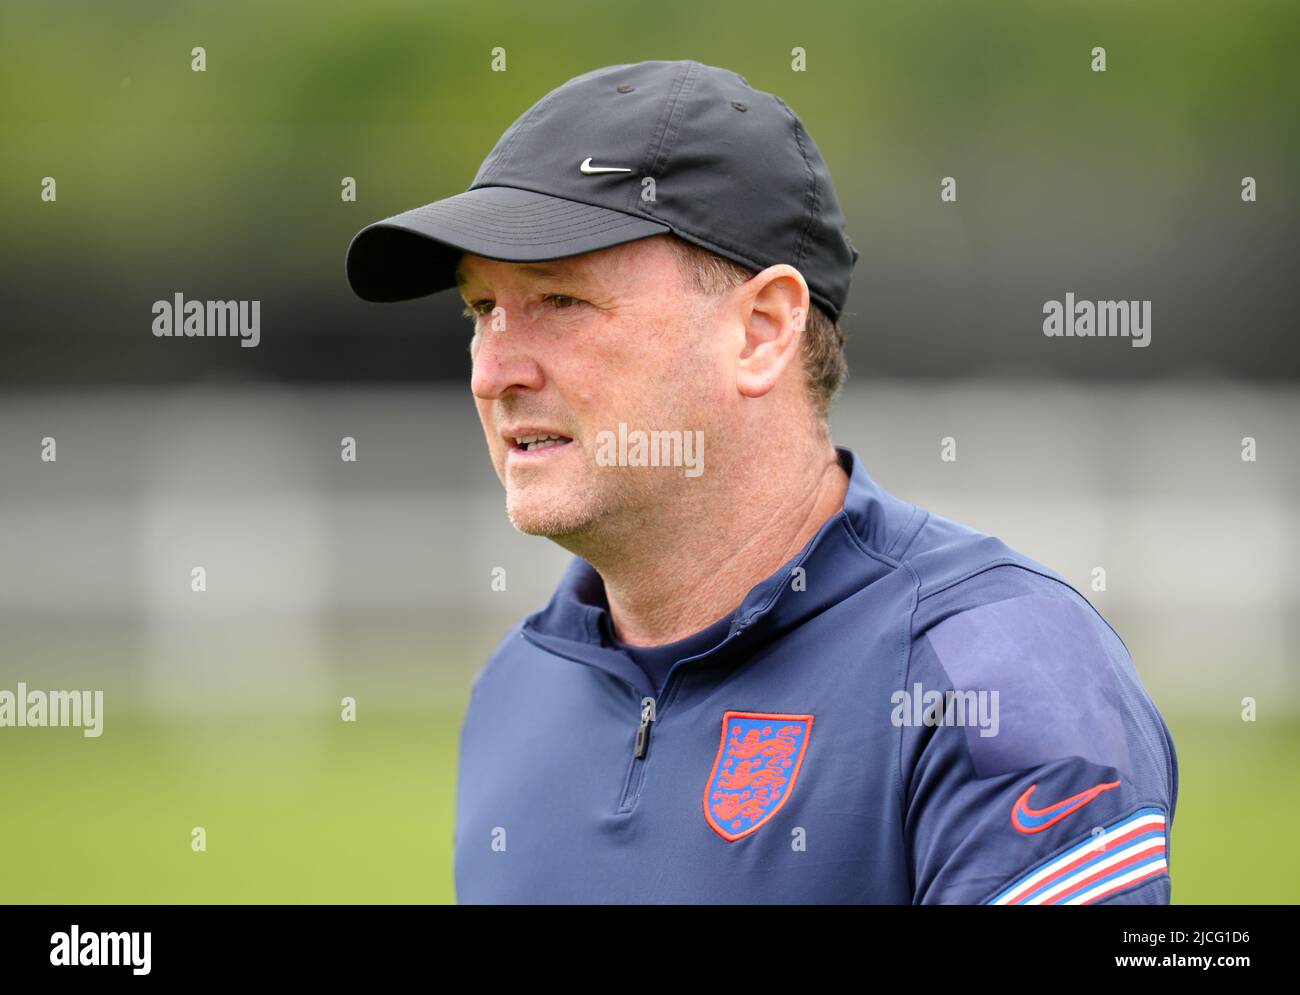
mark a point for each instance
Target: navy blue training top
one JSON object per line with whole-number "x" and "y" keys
{"x": 908, "y": 711}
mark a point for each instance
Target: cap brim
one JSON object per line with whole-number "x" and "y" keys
{"x": 415, "y": 253}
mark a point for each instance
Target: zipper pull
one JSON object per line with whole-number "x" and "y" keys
{"x": 643, "y": 730}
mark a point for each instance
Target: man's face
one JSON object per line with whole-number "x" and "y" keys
{"x": 572, "y": 347}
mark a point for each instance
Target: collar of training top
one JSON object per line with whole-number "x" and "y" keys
{"x": 853, "y": 547}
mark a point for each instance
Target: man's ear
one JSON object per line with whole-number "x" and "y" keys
{"x": 774, "y": 309}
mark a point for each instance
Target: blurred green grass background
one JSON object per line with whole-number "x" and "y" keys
{"x": 295, "y": 811}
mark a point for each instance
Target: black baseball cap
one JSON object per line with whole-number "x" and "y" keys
{"x": 623, "y": 153}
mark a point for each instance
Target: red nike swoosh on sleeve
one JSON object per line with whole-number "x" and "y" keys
{"x": 1034, "y": 820}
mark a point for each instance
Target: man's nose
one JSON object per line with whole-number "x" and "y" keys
{"x": 502, "y": 359}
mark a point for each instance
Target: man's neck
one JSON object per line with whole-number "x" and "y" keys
{"x": 667, "y": 588}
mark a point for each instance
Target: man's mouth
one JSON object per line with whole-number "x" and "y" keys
{"x": 536, "y": 443}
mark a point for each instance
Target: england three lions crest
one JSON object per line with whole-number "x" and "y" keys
{"x": 757, "y": 765}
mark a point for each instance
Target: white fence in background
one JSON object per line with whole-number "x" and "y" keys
{"x": 1147, "y": 481}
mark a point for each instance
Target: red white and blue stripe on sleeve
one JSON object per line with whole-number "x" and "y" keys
{"x": 1126, "y": 853}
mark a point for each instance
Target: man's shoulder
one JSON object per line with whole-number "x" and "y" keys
{"x": 511, "y": 646}
{"x": 990, "y": 610}
{"x": 990, "y": 618}
{"x": 969, "y": 566}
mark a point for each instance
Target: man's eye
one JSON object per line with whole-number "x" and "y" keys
{"x": 560, "y": 301}
{"x": 478, "y": 308}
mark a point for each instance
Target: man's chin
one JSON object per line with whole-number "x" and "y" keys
{"x": 549, "y": 519}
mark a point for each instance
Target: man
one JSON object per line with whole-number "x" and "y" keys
{"x": 763, "y": 678}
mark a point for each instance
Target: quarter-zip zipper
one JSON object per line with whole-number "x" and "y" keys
{"x": 640, "y": 751}
{"x": 650, "y": 709}
{"x": 643, "y": 730}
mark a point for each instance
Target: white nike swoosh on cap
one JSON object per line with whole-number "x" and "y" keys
{"x": 589, "y": 169}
